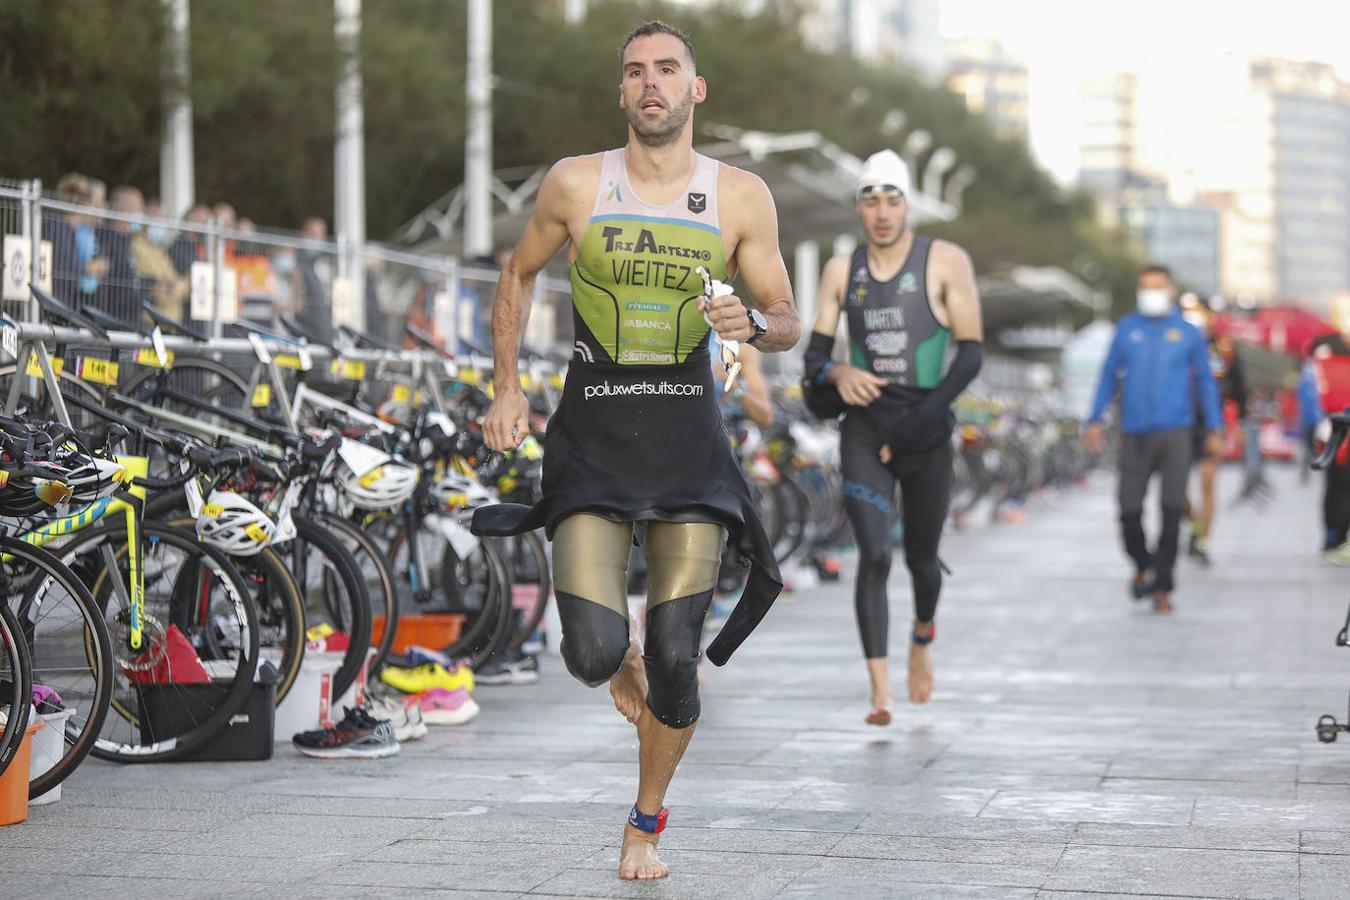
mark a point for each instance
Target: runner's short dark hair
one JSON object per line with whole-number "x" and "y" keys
{"x": 656, "y": 26}
{"x": 1156, "y": 268}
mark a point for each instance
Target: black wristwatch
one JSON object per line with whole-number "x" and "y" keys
{"x": 759, "y": 323}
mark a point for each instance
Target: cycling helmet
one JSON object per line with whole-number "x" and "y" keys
{"x": 383, "y": 487}
{"x": 92, "y": 478}
{"x": 234, "y": 525}
{"x": 462, "y": 491}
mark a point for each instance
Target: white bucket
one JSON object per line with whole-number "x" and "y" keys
{"x": 309, "y": 702}
{"x": 356, "y": 694}
{"x": 49, "y": 745}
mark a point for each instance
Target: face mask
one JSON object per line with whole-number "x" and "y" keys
{"x": 1154, "y": 302}
{"x": 133, "y": 227}
{"x": 283, "y": 264}
{"x": 157, "y": 234}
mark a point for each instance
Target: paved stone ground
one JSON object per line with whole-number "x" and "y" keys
{"x": 1076, "y": 745}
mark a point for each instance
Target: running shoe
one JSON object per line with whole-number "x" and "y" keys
{"x": 358, "y": 736}
{"x": 420, "y": 656}
{"x": 828, "y": 567}
{"x": 1141, "y": 586}
{"x": 425, "y": 677}
{"x": 441, "y": 707}
{"x": 407, "y": 720}
{"x": 1199, "y": 550}
{"x": 501, "y": 670}
{"x": 1162, "y": 602}
{"x": 1337, "y": 556}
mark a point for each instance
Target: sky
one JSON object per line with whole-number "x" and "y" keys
{"x": 1061, "y": 41}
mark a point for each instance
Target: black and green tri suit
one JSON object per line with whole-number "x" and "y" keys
{"x": 894, "y": 334}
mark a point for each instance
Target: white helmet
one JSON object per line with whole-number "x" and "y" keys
{"x": 93, "y": 478}
{"x": 234, "y": 525}
{"x": 383, "y": 487}
{"x": 455, "y": 489}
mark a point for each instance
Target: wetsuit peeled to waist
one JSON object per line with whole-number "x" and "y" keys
{"x": 638, "y": 435}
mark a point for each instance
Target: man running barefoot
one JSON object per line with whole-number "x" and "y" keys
{"x": 637, "y": 437}
{"x": 906, "y": 297}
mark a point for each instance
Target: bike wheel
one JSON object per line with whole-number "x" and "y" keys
{"x": 200, "y": 639}
{"x": 333, "y": 592}
{"x": 204, "y": 379}
{"x": 527, "y": 565}
{"x": 69, "y": 648}
{"x": 475, "y": 587}
{"x": 280, "y": 608}
{"x": 378, "y": 577}
{"x": 16, "y": 687}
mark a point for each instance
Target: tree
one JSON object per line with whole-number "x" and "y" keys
{"x": 83, "y": 93}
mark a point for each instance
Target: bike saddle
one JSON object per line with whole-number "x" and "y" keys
{"x": 55, "y": 309}
{"x": 171, "y": 325}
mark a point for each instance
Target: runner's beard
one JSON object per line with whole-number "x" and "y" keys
{"x": 667, "y": 131}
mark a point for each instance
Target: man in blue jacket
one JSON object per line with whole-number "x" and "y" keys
{"x": 1159, "y": 364}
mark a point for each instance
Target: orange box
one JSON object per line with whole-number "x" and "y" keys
{"x": 14, "y": 783}
{"x": 435, "y": 631}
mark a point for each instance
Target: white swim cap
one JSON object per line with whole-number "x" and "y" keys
{"x": 884, "y": 168}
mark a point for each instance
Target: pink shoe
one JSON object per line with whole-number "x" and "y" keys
{"x": 442, "y": 707}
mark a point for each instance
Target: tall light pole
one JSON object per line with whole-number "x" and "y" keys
{"x": 176, "y": 174}
{"x": 349, "y": 164}
{"x": 478, "y": 133}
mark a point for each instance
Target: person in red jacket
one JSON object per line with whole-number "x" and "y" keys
{"x": 1331, "y": 371}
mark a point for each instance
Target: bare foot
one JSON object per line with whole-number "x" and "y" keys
{"x": 637, "y": 857}
{"x": 881, "y": 706}
{"x": 920, "y": 673}
{"x": 880, "y": 715}
{"x": 628, "y": 687}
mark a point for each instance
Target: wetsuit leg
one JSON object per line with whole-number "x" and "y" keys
{"x": 1173, "y": 458}
{"x": 869, "y": 503}
{"x": 682, "y": 563}
{"x": 925, "y": 493}
{"x": 590, "y": 580}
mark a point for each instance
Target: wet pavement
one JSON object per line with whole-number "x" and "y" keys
{"x": 1077, "y": 744}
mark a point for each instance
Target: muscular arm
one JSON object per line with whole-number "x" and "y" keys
{"x": 960, "y": 296}
{"x": 544, "y": 235}
{"x": 961, "y": 301}
{"x": 761, "y": 264}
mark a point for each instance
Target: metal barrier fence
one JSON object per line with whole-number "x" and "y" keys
{"x": 213, "y": 272}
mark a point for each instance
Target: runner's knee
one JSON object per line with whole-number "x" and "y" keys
{"x": 595, "y": 639}
{"x": 674, "y": 629}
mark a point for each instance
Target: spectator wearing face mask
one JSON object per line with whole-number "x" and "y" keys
{"x": 1159, "y": 366}
{"x": 189, "y": 247}
{"x": 150, "y": 257}
{"x": 121, "y": 291}
{"x": 77, "y": 264}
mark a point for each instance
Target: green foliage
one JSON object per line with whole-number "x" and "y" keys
{"x": 83, "y": 89}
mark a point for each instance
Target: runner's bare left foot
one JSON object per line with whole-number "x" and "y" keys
{"x": 638, "y": 858}
{"x": 628, "y": 687}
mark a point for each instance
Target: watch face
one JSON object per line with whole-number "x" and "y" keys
{"x": 758, "y": 320}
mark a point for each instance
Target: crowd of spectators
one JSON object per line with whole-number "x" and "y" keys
{"x": 116, "y": 262}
